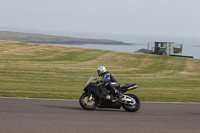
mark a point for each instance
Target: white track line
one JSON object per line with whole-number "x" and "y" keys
{"x": 78, "y": 100}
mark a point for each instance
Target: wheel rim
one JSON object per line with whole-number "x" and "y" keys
{"x": 133, "y": 104}
{"x": 89, "y": 102}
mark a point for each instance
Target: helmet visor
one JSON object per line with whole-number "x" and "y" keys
{"x": 98, "y": 72}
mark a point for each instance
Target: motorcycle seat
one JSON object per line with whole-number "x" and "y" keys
{"x": 129, "y": 84}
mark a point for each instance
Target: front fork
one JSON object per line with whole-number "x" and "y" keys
{"x": 89, "y": 94}
{"x": 90, "y": 98}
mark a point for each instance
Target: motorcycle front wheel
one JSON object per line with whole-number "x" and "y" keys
{"x": 88, "y": 103}
{"x": 135, "y": 106}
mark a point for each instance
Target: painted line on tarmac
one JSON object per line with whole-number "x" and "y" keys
{"x": 39, "y": 99}
{"x": 173, "y": 102}
{"x": 72, "y": 100}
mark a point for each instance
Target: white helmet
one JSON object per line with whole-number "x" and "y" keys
{"x": 101, "y": 70}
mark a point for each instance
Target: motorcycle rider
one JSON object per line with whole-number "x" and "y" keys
{"x": 107, "y": 77}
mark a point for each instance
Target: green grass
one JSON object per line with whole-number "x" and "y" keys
{"x": 46, "y": 71}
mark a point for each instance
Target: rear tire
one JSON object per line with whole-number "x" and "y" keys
{"x": 86, "y": 104}
{"x": 132, "y": 108}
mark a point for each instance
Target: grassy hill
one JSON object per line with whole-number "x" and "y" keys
{"x": 40, "y": 38}
{"x": 46, "y": 71}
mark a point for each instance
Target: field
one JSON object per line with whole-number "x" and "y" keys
{"x": 33, "y": 70}
{"x": 41, "y": 38}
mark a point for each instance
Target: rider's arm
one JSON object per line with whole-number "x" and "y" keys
{"x": 107, "y": 78}
{"x": 99, "y": 81}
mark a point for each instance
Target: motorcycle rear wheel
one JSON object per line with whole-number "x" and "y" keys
{"x": 86, "y": 103}
{"x": 132, "y": 108}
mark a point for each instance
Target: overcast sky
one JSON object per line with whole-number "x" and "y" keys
{"x": 134, "y": 17}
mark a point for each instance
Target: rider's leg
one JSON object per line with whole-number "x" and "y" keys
{"x": 113, "y": 86}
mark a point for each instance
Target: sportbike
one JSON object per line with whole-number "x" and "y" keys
{"x": 92, "y": 97}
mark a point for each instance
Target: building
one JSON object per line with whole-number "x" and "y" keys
{"x": 166, "y": 48}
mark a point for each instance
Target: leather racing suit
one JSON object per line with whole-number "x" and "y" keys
{"x": 110, "y": 83}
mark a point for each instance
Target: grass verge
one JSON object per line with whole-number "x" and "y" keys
{"x": 46, "y": 71}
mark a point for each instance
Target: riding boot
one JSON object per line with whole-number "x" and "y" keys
{"x": 117, "y": 93}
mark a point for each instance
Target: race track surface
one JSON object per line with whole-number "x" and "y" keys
{"x": 66, "y": 116}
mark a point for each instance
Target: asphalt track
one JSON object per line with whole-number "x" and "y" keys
{"x": 66, "y": 116}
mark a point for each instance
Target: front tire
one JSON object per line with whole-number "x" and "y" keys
{"x": 136, "y": 104}
{"x": 88, "y": 104}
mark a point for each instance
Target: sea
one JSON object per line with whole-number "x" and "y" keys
{"x": 191, "y": 46}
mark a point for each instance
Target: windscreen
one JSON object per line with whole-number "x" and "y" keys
{"x": 90, "y": 80}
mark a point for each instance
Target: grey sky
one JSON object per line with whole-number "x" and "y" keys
{"x": 136, "y": 17}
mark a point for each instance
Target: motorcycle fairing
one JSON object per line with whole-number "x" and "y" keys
{"x": 129, "y": 85}
{"x": 109, "y": 104}
{"x": 94, "y": 90}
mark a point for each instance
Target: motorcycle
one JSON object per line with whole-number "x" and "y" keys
{"x": 92, "y": 97}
